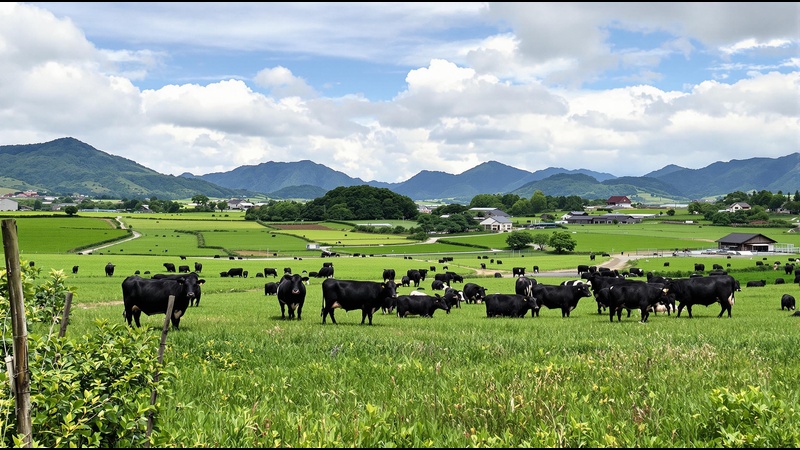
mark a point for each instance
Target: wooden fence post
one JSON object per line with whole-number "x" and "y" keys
{"x": 164, "y": 331}
{"x": 65, "y": 316}
{"x": 22, "y": 380}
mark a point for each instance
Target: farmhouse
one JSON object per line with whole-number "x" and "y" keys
{"x": 746, "y": 242}
{"x": 498, "y": 223}
{"x": 738, "y": 206}
{"x": 585, "y": 219}
{"x": 8, "y": 205}
{"x": 618, "y": 201}
{"x": 238, "y": 203}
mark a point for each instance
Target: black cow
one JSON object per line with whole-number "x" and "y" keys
{"x": 635, "y": 271}
{"x": 169, "y": 267}
{"x": 699, "y": 267}
{"x": 582, "y": 268}
{"x": 236, "y": 272}
{"x": 368, "y": 296}
{"x": 423, "y": 273}
{"x": 788, "y": 268}
{"x": 779, "y": 280}
{"x": 437, "y": 285}
{"x": 474, "y": 293}
{"x": 420, "y": 305}
{"x": 535, "y": 269}
{"x": 518, "y": 271}
{"x": 388, "y": 274}
{"x": 787, "y": 301}
{"x": 292, "y": 294}
{"x": 444, "y": 277}
{"x": 453, "y": 298}
{"x": 757, "y": 283}
{"x": 184, "y": 269}
{"x": 702, "y": 291}
{"x": 639, "y": 295}
{"x": 325, "y": 272}
{"x": 270, "y": 271}
{"x": 197, "y": 295}
{"x": 415, "y": 276}
{"x": 74, "y": 269}
{"x": 564, "y": 298}
{"x": 198, "y": 267}
{"x": 110, "y": 269}
{"x": 151, "y": 296}
{"x": 270, "y": 288}
{"x": 405, "y": 281}
{"x": 510, "y": 305}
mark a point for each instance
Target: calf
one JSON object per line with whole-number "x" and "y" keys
{"x": 151, "y": 296}
{"x": 510, "y": 305}
{"x": 292, "y": 294}
{"x": 420, "y": 305}
{"x": 368, "y": 296}
{"x": 787, "y": 301}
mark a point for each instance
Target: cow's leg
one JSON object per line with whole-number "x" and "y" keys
{"x": 299, "y": 310}
{"x": 680, "y": 308}
{"x": 283, "y": 310}
{"x": 689, "y": 308}
{"x": 136, "y": 315}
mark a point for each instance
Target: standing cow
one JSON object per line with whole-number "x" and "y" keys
{"x": 110, "y": 270}
{"x": 198, "y": 293}
{"x": 74, "y": 269}
{"x": 270, "y": 288}
{"x": 292, "y": 294}
{"x": 169, "y": 267}
{"x": 510, "y": 305}
{"x": 474, "y": 293}
{"x": 702, "y": 291}
{"x": 368, "y": 296}
{"x": 198, "y": 267}
{"x": 564, "y": 298}
{"x": 787, "y": 301}
{"x": 151, "y": 296}
{"x": 420, "y": 305}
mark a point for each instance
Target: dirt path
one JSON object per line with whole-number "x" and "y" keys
{"x": 136, "y": 234}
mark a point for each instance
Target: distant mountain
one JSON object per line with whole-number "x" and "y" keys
{"x": 69, "y": 166}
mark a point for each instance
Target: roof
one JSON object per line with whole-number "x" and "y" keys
{"x": 741, "y": 238}
{"x": 618, "y": 199}
{"x": 498, "y": 219}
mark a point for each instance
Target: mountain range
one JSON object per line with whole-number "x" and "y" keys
{"x": 69, "y": 166}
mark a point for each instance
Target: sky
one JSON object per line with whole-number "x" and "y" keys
{"x": 382, "y": 91}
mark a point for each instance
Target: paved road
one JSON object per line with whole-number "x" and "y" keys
{"x": 136, "y": 234}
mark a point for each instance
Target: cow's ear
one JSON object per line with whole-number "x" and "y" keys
{"x": 201, "y": 281}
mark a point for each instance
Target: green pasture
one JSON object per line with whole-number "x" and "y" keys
{"x": 39, "y": 234}
{"x": 250, "y": 379}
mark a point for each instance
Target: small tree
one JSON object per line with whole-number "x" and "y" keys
{"x": 541, "y": 239}
{"x": 71, "y": 210}
{"x": 561, "y": 241}
{"x": 518, "y": 240}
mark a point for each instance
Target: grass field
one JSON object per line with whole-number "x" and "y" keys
{"x": 249, "y": 379}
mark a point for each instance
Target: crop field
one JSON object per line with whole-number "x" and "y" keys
{"x": 247, "y": 378}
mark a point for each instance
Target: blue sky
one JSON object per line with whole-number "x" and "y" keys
{"x": 381, "y": 91}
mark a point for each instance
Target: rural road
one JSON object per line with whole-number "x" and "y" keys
{"x": 136, "y": 234}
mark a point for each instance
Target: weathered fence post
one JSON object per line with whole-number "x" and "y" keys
{"x": 65, "y": 316}
{"x": 164, "y": 331}
{"x": 22, "y": 381}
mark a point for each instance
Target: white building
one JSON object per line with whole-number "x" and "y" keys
{"x": 6, "y": 204}
{"x": 498, "y": 223}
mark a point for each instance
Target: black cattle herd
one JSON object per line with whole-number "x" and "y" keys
{"x": 612, "y": 291}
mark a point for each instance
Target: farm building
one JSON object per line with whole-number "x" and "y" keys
{"x": 488, "y": 212}
{"x": 618, "y": 201}
{"x": 498, "y": 223}
{"x": 746, "y": 242}
{"x": 8, "y": 205}
{"x": 583, "y": 219}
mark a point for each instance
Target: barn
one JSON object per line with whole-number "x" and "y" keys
{"x": 746, "y": 242}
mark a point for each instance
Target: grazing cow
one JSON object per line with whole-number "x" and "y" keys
{"x": 483, "y": 266}
{"x": 518, "y": 271}
{"x": 198, "y": 267}
{"x": 582, "y": 268}
{"x": 702, "y": 291}
{"x": 420, "y": 305}
{"x": 405, "y": 281}
{"x": 699, "y": 267}
{"x": 423, "y": 273}
{"x": 779, "y": 280}
{"x": 498, "y": 275}
{"x": 325, "y": 272}
{"x": 787, "y": 301}
{"x": 151, "y": 296}
{"x": 287, "y": 270}
{"x": 74, "y": 269}
{"x": 224, "y": 274}
{"x": 535, "y": 269}
{"x": 415, "y": 276}
{"x": 453, "y": 297}
{"x": 270, "y": 271}
{"x": 564, "y": 298}
{"x": 638, "y": 294}
{"x": 510, "y": 305}
{"x": 437, "y": 285}
{"x": 388, "y": 274}
{"x": 184, "y": 269}
{"x": 788, "y": 268}
{"x": 368, "y": 296}
{"x": 717, "y": 267}
{"x": 270, "y": 288}
{"x": 236, "y": 272}
{"x": 757, "y": 283}
{"x": 292, "y": 294}
{"x": 197, "y": 295}
{"x": 524, "y": 286}
{"x": 445, "y": 278}
{"x": 169, "y": 267}
{"x": 474, "y": 293}
{"x": 110, "y": 270}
